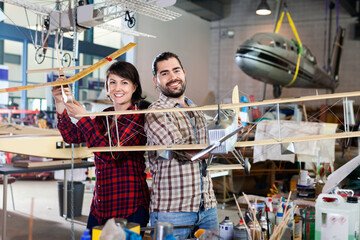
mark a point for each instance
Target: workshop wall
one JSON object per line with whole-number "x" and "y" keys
{"x": 188, "y": 37}
{"x": 309, "y": 19}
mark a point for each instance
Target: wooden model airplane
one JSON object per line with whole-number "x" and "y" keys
{"x": 216, "y": 143}
{"x": 227, "y": 137}
{"x": 44, "y": 143}
{"x": 10, "y": 144}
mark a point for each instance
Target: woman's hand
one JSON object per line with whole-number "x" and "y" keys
{"x": 57, "y": 95}
{"x": 74, "y": 109}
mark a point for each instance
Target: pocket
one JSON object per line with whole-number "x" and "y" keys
{"x": 153, "y": 218}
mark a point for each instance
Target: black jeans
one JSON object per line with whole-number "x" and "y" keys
{"x": 141, "y": 216}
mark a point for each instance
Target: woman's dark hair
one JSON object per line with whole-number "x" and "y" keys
{"x": 128, "y": 71}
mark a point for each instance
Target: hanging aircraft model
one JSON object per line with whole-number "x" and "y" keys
{"x": 275, "y": 59}
{"x": 272, "y": 58}
{"x": 63, "y": 17}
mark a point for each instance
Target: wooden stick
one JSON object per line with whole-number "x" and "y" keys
{"x": 286, "y": 221}
{"x": 281, "y": 227}
{"x": 31, "y": 218}
{"x": 237, "y": 144}
{"x": 241, "y": 215}
{"x": 254, "y": 216}
{"x": 252, "y": 211}
{"x": 305, "y": 113}
{"x": 228, "y": 105}
{"x": 283, "y": 224}
{"x": 56, "y": 69}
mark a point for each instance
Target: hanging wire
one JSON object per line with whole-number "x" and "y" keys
{"x": 325, "y": 35}
{"x": 28, "y": 22}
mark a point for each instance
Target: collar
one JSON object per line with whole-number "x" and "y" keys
{"x": 131, "y": 107}
{"x": 170, "y": 103}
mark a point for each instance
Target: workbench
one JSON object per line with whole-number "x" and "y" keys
{"x": 8, "y": 169}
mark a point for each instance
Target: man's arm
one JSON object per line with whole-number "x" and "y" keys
{"x": 161, "y": 129}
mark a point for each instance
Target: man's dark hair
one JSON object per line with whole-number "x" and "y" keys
{"x": 128, "y": 71}
{"x": 162, "y": 57}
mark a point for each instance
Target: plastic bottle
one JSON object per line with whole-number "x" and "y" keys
{"x": 333, "y": 209}
{"x": 86, "y": 235}
{"x": 272, "y": 220}
{"x": 279, "y": 215}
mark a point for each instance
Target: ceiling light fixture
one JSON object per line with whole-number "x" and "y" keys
{"x": 263, "y": 8}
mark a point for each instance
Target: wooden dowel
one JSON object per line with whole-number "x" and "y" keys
{"x": 241, "y": 215}
{"x": 31, "y": 218}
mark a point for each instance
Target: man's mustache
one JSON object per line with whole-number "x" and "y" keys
{"x": 173, "y": 81}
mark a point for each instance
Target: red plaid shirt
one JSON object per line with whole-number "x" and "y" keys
{"x": 120, "y": 187}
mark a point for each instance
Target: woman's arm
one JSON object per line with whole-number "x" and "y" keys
{"x": 68, "y": 130}
{"x": 130, "y": 133}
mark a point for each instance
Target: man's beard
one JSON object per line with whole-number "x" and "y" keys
{"x": 169, "y": 93}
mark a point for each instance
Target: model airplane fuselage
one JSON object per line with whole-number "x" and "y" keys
{"x": 272, "y": 58}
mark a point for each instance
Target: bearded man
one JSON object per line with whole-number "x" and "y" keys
{"x": 182, "y": 193}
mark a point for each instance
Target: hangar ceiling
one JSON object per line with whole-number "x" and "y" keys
{"x": 351, "y": 6}
{"x": 210, "y": 10}
{"x": 214, "y": 10}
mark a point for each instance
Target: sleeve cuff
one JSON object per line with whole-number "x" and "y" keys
{"x": 61, "y": 116}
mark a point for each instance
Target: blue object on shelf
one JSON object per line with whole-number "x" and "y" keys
{"x": 86, "y": 235}
{"x": 130, "y": 235}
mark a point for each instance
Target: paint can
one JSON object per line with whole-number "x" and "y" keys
{"x": 226, "y": 228}
{"x": 162, "y": 229}
{"x": 240, "y": 232}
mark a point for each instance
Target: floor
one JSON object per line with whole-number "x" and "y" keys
{"x": 47, "y": 222}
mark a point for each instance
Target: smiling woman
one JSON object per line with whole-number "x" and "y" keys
{"x": 126, "y": 195}
{"x": 123, "y": 85}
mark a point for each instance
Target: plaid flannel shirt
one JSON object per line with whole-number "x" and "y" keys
{"x": 176, "y": 184}
{"x": 120, "y": 187}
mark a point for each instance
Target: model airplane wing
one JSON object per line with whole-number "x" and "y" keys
{"x": 15, "y": 129}
{"x": 336, "y": 177}
{"x": 206, "y": 148}
{"x": 75, "y": 77}
{"x": 38, "y": 142}
{"x": 229, "y": 105}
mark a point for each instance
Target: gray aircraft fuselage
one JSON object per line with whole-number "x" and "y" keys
{"x": 272, "y": 58}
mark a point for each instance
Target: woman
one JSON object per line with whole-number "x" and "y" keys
{"x": 120, "y": 189}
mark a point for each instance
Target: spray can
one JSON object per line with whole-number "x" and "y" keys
{"x": 226, "y": 228}
{"x": 86, "y": 235}
{"x": 240, "y": 232}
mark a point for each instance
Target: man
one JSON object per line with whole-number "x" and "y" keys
{"x": 182, "y": 193}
